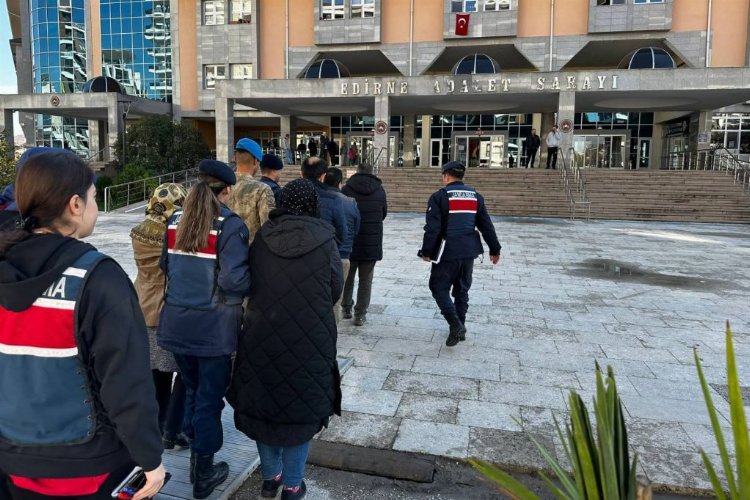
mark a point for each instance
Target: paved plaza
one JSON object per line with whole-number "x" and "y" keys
{"x": 637, "y": 296}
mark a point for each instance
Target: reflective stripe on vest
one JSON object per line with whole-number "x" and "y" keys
{"x": 45, "y": 396}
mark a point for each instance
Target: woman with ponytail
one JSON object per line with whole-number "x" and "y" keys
{"x": 205, "y": 261}
{"x": 78, "y": 408}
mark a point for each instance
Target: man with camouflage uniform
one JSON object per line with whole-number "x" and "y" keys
{"x": 251, "y": 199}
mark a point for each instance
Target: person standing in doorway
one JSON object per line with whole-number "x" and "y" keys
{"x": 533, "y": 142}
{"x": 368, "y": 190}
{"x": 312, "y": 146}
{"x": 287, "y": 145}
{"x": 251, "y": 199}
{"x": 301, "y": 150}
{"x": 553, "y": 144}
{"x": 451, "y": 242}
{"x": 352, "y": 153}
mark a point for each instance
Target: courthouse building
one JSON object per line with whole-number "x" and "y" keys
{"x": 411, "y": 83}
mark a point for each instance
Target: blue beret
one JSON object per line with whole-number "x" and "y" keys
{"x": 219, "y": 170}
{"x": 454, "y": 165}
{"x": 272, "y": 162}
{"x": 250, "y": 146}
{"x": 35, "y": 151}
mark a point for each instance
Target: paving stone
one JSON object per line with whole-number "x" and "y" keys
{"x": 666, "y": 467}
{"x": 365, "y": 377}
{"x": 447, "y": 440}
{"x": 703, "y": 437}
{"x": 408, "y": 347}
{"x": 432, "y": 385}
{"x": 376, "y": 359}
{"x": 429, "y": 408}
{"x": 372, "y": 401}
{"x": 354, "y": 341}
{"x": 668, "y": 410}
{"x": 539, "y": 376}
{"x": 474, "y": 413}
{"x": 666, "y": 435}
{"x": 522, "y": 394}
{"x": 481, "y": 370}
{"x": 361, "y": 429}
{"x": 509, "y": 448}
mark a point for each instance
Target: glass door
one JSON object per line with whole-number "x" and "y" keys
{"x": 599, "y": 151}
{"x": 436, "y": 152}
{"x": 486, "y": 151}
{"x": 644, "y": 153}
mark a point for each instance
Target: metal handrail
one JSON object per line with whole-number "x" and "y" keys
{"x": 582, "y": 199}
{"x": 123, "y": 195}
{"x": 714, "y": 159}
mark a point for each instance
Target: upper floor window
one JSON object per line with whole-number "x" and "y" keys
{"x": 241, "y": 71}
{"x": 648, "y": 1}
{"x": 648, "y": 58}
{"x": 610, "y": 2}
{"x": 464, "y": 5}
{"x": 213, "y": 12}
{"x": 363, "y": 8}
{"x": 241, "y": 11}
{"x": 332, "y": 9}
{"x": 213, "y": 72}
{"x": 496, "y": 4}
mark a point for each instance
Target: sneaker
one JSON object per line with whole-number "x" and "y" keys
{"x": 360, "y": 320}
{"x": 346, "y": 312}
{"x": 271, "y": 487}
{"x": 294, "y": 493}
{"x": 172, "y": 441}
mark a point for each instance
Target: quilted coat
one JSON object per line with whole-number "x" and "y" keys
{"x": 285, "y": 384}
{"x": 373, "y": 207}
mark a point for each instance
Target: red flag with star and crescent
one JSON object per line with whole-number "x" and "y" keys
{"x": 462, "y": 24}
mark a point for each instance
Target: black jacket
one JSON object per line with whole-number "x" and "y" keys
{"x": 373, "y": 208}
{"x": 285, "y": 384}
{"x": 8, "y": 220}
{"x": 113, "y": 352}
{"x": 532, "y": 142}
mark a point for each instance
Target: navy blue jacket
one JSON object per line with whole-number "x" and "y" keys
{"x": 453, "y": 213}
{"x": 351, "y": 211}
{"x": 274, "y": 187}
{"x": 368, "y": 190}
{"x": 202, "y": 312}
{"x": 332, "y": 211}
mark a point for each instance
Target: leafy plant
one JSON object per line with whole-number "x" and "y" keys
{"x": 7, "y": 163}
{"x": 600, "y": 460}
{"x": 738, "y": 481}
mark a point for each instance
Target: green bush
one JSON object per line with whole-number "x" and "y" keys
{"x": 7, "y": 164}
{"x": 132, "y": 172}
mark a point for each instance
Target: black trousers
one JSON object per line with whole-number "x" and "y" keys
{"x": 530, "y": 158}
{"x": 552, "y": 156}
{"x": 452, "y": 278}
{"x": 171, "y": 401}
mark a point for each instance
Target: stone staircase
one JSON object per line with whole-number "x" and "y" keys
{"x": 696, "y": 196}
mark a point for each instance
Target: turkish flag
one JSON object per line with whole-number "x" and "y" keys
{"x": 462, "y": 24}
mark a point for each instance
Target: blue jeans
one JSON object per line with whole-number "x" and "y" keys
{"x": 289, "y": 461}
{"x": 206, "y": 380}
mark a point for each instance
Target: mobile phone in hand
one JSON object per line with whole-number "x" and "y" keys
{"x": 132, "y": 483}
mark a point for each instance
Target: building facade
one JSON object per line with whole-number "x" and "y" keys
{"x": 632, "y": 83}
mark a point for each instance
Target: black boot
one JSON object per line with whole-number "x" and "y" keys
{"x": 208, "y": 475}
{"x": 192, "y": 467}
{"x": 462, "y": 319}
{"x": 456, "y": 331}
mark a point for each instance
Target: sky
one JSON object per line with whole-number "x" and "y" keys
{"x": 7, "y": 71}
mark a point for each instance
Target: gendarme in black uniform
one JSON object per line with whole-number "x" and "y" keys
{"x": 454, "y": 213}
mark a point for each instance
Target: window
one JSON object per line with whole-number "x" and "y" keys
{"x": 213, "y": 12}
{"x": 363, "y": 8}
{"x": 332, "y": 9}
{"x": 464, "y": 5}
{"x": 610, "y": 2}
{"x": 241, "y": 11}
{"x": 647, "y": 1}
{"x": 213, "y": 72}
{"x": 241, "y": 71}
{"x": 496, "y": 4}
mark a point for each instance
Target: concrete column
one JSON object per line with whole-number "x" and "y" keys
{"x": 566, "y": 109}
{"x": 701, "y": 139}
{"x": 288, "y": 125}
{"x": 115, "y": 126}
{"x": 410, "y": 126}
{"x": 380, "y": 141}
{"x": 224, "y": 129}
{"x": 657, "y": 147}
{"x": 424, "y": 158}
{"x": 95, "y": 153}
{"x": 7, "y": 127}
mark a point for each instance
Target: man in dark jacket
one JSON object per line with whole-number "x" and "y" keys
{"x": 451, "y": 243}
{"x": 333, "y": 180}
{"x": 270, "y": 169}
{"x": 368, "y": 244}
{"x": 532, "y": 146}
{"x": 331, "y": 207}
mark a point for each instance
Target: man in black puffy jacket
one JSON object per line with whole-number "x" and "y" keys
{"x": 368, "y": 190}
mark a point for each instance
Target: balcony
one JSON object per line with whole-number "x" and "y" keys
{"x": 617, "y": 16}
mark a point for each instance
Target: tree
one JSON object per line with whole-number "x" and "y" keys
{"x": 7, "y": 163}
{"x": 160, "y": 145}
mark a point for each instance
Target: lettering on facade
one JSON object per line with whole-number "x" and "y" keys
{"x": 476, "y": 85}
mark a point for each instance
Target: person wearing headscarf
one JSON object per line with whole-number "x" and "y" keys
{"x": 285, "y": 384}
{"x": 148, "y": 240}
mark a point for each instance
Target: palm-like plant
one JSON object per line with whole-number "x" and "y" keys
{"x": 738, "y": 482}
{"x": 600, "y": 460}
